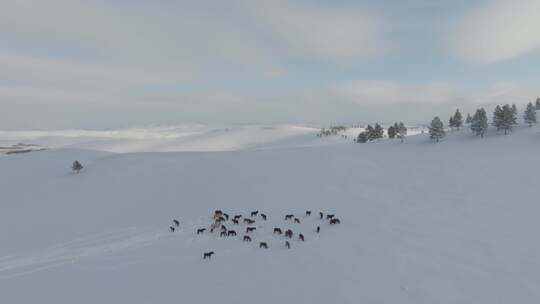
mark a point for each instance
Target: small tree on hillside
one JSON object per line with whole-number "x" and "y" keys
{"x": 456, "y": 121}
{"x": 378, "y": 132}
{"x": 77, "y": 167}
{"x": 468, "y": 120}
{"x": 391, "y": 131}
{"x": 401, "y": 131}
{"x": 498, "y": 117}
{"x": 538, "y": 103}
{"x": 530, "y": 114}
{"x": 479, "y": 122}
{"x": 505, "y": 117}
{"x": 436, "y": 129}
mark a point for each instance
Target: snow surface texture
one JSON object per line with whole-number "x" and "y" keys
{"x": 454, "y": 222}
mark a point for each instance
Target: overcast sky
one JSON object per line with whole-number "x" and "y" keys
{"x": 112, "y": 63}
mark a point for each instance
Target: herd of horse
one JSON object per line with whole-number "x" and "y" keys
{"x": 220, "y": 218}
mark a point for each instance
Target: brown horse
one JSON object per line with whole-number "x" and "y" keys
{"x": 247, "y": 238}
{"x": 208, "y": 255}
{"x": 289, "y": 233}
{"x": 335, "y": 221}
{"x": 263, "y": 245}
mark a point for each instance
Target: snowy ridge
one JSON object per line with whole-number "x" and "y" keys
{"x": 452, "y": 222}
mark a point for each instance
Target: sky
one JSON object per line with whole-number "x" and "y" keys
{"x": 120, "y": 63}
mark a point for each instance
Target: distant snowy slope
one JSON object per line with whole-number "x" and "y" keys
{"x": 163, "y": 139}
{"x": 453, "y": 222}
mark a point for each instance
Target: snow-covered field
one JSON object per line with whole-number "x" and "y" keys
{"x": 454, "y": 222}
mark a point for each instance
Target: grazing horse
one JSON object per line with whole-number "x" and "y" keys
{"x": 263, "y": 216}
{"x": 296, "y": 220}
{"x": 249, "y": 221}
{"x": 231, "y": 233}
{"x": 289, "y": 216}
{"x": 278, "y": 231}
{"x": 202, "y": 230}
{"x": 237, "y": 217}
{"x": 176, "y": 223}
{"x": 335, "y": 221}
{"x": 247, "y": 238}
{"x": 235, "y": 221}
{"x": 263, "y": 245}
{"x": 321, "y": 215}
{"x": 208, "y": 255}
{"x": 171, "y": 228}
{"x": 254, "y": 213}
{"x": 301, "y": 237}
{"x": 330, "y": 216}
{"x": 250, "y": 229}
{"x": 308, "y": 213}
{"x": 288, "y": 244}
{"x": 289, "y": 233}
{"x": 318, "y": 229}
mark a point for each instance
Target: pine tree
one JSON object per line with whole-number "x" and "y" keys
{"x": 530, "y": 114}
{"x": 479, "y": 122}
{"x": 370, "y": 134}
{"x": 498, "y": 117}
{"x": 77, "y": 167}
{"x": 505, "y": 117}
{"x": 468, "y": 120}
{"x": 513, "y": 117}
{"x": 457, "y": 120}
{"x": 362, "y": 137}
{"x": 451, "y": 122}
{"x": 401, "y": 131}
{"x": 538, "y": 103}
{"x": 378, "y": 131}
{"x": 436, "y": 129}
{"x": 391, "y": 131}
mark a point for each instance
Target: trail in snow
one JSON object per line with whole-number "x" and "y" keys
{"x": 80, "y": 249}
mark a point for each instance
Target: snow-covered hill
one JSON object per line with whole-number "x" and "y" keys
{"x": 453, "y": 222}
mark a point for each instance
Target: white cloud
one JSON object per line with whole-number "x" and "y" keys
{"x": 327, "y": 32}
{"x": 387, "y": 92}
{"x": 73, "y": 74}
{"x": 498, "y": 31}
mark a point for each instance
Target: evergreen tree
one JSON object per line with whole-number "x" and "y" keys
{"x": 468, "y": 120}
{"x": 436, "y": 129}
{"x": 498, "y": 117}
{"x": 362, "y": 137}
{"x": 401, "y": 131}
{"x": 479, "y": 122}
{"x": 456, "y": 121}
{"x": 391, "y": 131}
{"x": 538, "y": 103}
{"x": 369, "y": 130}
{"x": 530, "y": 114}
{"x": 378, "y": 132}
{"x": 451, "y": 122}
{"x": 77, "y": 167}
{"x": 513, "y": 117}
{"x": 505, "y": 117}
